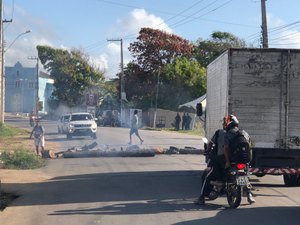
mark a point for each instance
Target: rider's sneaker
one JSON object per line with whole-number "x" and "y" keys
{"x": 200, "y": 201}
{"x": 250, "y": 198}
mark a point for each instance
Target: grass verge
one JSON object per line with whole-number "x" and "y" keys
{"x": 16, "y": 149}
{"x": 198, "y": 130}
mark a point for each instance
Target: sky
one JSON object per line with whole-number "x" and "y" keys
{"x": 88, "y": 25}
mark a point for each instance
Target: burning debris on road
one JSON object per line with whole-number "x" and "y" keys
{"x": 93, "y": 150}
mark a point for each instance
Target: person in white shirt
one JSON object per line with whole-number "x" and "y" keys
{"x": 134, "y": 128}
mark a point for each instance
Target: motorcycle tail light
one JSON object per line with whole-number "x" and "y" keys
{"x": 240, "y": 166}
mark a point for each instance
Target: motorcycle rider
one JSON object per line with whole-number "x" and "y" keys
{"x": 31, "y": 118}
{"x": 217, "y": 162}
{"x": 232, "y": 127}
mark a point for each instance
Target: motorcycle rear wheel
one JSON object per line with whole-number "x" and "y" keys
{"x": 234, "y": 195}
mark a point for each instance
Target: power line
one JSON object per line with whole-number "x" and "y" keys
{"x": 279, "y": 29}
{"x": 135, "y": 34}
{"x": 187, "y": 18}
{"x": 185, "y": 21}
{"x": 190, "y": 16}
{"x": 296, "y": 33}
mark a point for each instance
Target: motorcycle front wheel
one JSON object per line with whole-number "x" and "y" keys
{"x": 234, "y": 195}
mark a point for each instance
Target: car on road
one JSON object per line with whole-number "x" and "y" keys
{"x": 63, "y": 124}
{"x": 82, "y": 124}
{"x": 109, "y": 118}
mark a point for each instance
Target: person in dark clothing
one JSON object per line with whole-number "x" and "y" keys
{"x": 188, "y": 122}
{"x": 177, "y": 121}
{"x": 232, "y": 127}
{"x": 217, "y": 162}
{"x": 183, "y": 121}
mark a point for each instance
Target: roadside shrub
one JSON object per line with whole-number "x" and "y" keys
{"x": 20, "y": 159}
{"x": 8, "y": 131}
{"x": 5, "y": 130}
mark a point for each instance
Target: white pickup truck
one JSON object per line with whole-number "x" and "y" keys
{"x": 82, "y": 124}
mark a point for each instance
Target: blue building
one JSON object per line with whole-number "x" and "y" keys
{"x": 21, "y": 88}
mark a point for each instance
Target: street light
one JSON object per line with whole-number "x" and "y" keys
{"x": 26, "y": 32}
{"x": 2, "y": 91}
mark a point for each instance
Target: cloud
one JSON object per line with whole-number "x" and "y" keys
{"x": 139, "y": 18}
{"x": 24, "y": 45}
{"x": 43, "y": 33}
{"x": 129, "y": 28}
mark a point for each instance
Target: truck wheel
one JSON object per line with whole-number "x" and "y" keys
{"x": 94, "y": 136}
{"x": 260, "y": 174}
{"x": 291, "y": 180}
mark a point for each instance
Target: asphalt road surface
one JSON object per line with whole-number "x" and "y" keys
{"x": 138, "y": 190}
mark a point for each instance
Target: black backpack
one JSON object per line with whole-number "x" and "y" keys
{"x": 241, "y": 151}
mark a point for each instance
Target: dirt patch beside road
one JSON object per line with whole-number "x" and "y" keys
{"x": 7, "y": 176}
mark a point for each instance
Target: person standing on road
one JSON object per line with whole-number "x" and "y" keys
{"x": 177, "y": 121}
{"x": 38, "y": 133}
{"x": 134, "y": 127}
{"x": 183, "y": 121}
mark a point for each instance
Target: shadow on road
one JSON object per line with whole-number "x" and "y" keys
{"x": 138, "y": 193}
{"x": 250, "y": 216}
{"x": 158, "y": 186}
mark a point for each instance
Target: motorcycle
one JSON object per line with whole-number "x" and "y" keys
{"x": 236, "y": 182}
{"x": 32, "y": 119}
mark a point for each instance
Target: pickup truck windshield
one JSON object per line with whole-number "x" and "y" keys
{"x": 81, "y": 117}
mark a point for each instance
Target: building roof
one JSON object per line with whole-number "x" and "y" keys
{"x": 193, "y": 103}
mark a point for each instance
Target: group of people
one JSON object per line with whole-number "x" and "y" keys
{"x": 220, "y": 149}
{"x": 38, "y": 132}
{"x": 186, "y": 121}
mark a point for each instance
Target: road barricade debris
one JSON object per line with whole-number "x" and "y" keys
{"x": 93, "y": 150}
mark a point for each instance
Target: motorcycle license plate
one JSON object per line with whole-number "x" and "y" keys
{"x": 242, "y": 180}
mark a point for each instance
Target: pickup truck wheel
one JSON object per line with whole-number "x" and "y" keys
{"x": 291, "y": 180}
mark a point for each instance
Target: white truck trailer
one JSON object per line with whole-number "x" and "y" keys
{"x": 262, "y": 88}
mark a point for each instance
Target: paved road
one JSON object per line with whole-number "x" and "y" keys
{"x": 115, "y": 137}
{"x": 144, "y": 190}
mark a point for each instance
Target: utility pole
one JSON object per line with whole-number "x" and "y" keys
{"x": 37, "y": 83}
{"x": 156, "y": 98}
{"x": 2, "y": 66}
{"x": 264, "y": 25}
{"x": 121, "y": 80}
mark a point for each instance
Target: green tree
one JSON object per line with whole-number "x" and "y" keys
{"x": 73, "y": 75}
{"x": 182, "y": 80}
{"x": 109, "y": 96}
{"x": 208, "y": 50}
{"x": 139, "y": 85}
{"x": 152, "y": 51}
